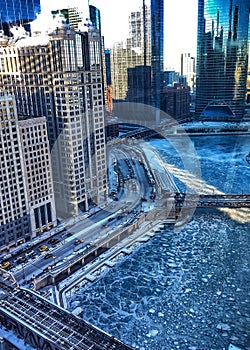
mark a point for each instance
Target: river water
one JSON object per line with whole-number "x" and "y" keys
{"x": 186, "y": 289}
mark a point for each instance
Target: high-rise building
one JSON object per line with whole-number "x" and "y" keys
{"x": 26, "y": 188}
{"x": 144, "y": 47}
{"x": 222, "y": 54}
{"x": 20, "y": 12}
{"x": 188, "y": 69}
{"x": 38, "y": 173}
{"x": 157, "y": 49}
{"x": 121, "y": 59}
{"x": 14, "y": 209}
{"x": 58, "y": 75}
{"x": 175, "y": 101}
{"x": 139, "y": 84}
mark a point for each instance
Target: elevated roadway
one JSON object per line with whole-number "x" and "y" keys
{"x": 48, "y": 327}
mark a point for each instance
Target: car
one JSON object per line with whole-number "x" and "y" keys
{"x": 31, "y": 254}
{"x": 20, "y": 259}
{"x": 104, "y": 226}
{"x": 66, "y": 234}
{"x": 78, "y": 241}
{"x": 5, "y": 265}
{"x": 53, "y": 241}
{"x": 49, "y": 255}
{"x": 42, "y": 248}
{"x": 60, "y": 228}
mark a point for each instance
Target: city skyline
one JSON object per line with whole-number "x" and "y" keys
{"x": 180, "y": 26}
{"x": 124, "y": 174}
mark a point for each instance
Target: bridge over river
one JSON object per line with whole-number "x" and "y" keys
{"x": 188, "y": 200}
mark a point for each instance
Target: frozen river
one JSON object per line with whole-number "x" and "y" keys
{"x": 188, "y": 289}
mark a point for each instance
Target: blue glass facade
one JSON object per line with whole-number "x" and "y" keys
{"x": 95, "y": 18}
{"x": 17, "y": 12}
{"x": 157, "y": 48}
{"x": 222, "y": 53}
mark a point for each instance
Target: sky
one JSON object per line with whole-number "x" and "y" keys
{"x": 180, "y": 24}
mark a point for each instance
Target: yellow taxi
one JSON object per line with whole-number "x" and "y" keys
{"x": 43, "y": 248}
{"x": 5, "y": 265}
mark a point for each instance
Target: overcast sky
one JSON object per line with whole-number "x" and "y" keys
{"x": 180, "y": 26}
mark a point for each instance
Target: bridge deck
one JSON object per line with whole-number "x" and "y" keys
{"x": 60, "y": 328}
{"x": 212, "y": 200}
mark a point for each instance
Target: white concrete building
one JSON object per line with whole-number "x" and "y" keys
{"x": 38, "y": 174}
{"x": 27, "y": 205}
{"x": 58, "y": 74}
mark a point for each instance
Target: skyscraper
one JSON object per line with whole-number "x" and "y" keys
{"x": 157, "y": 49}
{"x": 14, "y": 12}
{"x": 222, "y": 54}
{"x": 26, "y": 188}
{"x": 58, "y": 75}
{"x": 38, "y": 173}
{"x": 188, "y": 69}
{"x": 14, "y": 209}
{"x": 143, "y": 49}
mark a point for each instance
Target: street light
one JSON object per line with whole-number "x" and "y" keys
{"x": 54, "y": 257}
{"x": 23, "y": 264}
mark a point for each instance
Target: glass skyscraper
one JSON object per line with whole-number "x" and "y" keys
{"x": 157, "y": 48}
{"x": 16, "y": 12}
{"x": 222, "y": 54}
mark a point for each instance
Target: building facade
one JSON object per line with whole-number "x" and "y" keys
{"x": 20, "y": 12}
{"x": 38, "y": 173}
{"x": 58, "y": 75}
{"x": 175, "y": 101}
{"x": 222, "y": 54}
{"x": 188, "y": 69}
{"x": 26, "y": 187}
{"x": 14, "y": 213}
{"x": 142, "y": 52}
{"x": 157, "y": 50}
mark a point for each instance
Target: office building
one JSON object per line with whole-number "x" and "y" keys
{"x": 139, "y": 84}
{"x": 175, "y": 101}
{"x": 20, "y": 12}
{"x": 26, "y": 188}
{"x": 121, "y": 59}
{"x": 157, "y": 50}
{"x": 188, "y": 69}
{"x": 222, "y": 54}
{"x": 169, "y": 77}
{"x": 144, "y": 47}
{"x": 14, "y": 213}
{"x": 38, "y": 173}
{"x": 58, "y": 74}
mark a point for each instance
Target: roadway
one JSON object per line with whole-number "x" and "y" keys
{"x": 122, "y": 209}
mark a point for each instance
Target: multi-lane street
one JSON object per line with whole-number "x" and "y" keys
{"x": 131, "y": 196}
